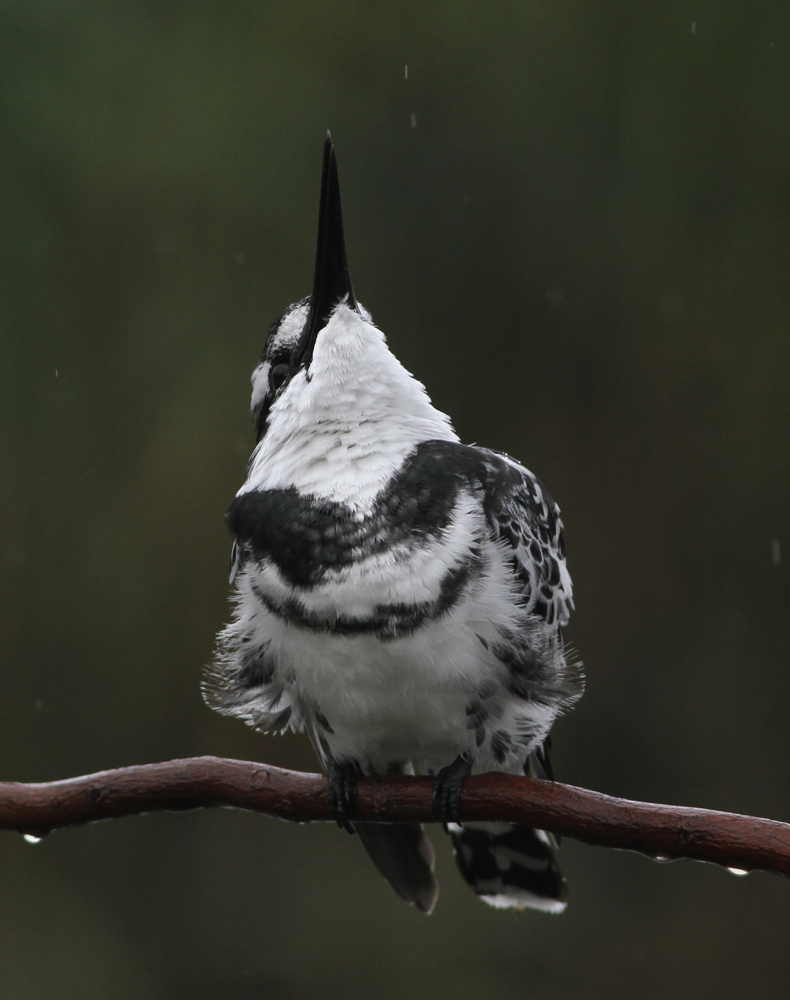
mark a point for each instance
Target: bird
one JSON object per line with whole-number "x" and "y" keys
{"x": 398, "y": 595}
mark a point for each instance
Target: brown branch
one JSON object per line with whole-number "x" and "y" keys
{"x": 728, "y": 839}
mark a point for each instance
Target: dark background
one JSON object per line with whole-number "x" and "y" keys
{"x": 571, "y": 220}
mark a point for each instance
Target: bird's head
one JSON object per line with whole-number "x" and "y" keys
{"x": 324, "y": 359}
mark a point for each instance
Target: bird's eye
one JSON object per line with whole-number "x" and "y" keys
{"x": 278, "y": 375}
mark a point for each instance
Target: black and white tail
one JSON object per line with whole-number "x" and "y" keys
{"x": 510, "y": 866}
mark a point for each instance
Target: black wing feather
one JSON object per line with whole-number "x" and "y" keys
{"x": 523, "y": 515}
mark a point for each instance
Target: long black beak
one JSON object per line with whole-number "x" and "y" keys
{"x": 332, "y": 283}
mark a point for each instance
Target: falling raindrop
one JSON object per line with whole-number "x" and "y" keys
{"x": 414, "y": 121}
{"x": 776, "y": 552}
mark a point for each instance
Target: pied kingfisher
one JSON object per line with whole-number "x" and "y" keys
{"x": 399, "y": 595}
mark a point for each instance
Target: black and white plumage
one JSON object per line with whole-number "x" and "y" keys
{"x": 399, "y": 595}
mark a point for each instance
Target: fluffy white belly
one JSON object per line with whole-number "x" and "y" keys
{"x": 423, "y": 696}
{"x": 390, "y": 701}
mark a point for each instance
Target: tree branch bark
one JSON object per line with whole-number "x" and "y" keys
{"x": 728, "y": 839}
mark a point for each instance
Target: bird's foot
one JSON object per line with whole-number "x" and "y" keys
{"x": 447, "y": 789}
{"x": 342, "y": 792}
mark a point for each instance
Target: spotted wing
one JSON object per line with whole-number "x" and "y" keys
{"x": 524, "y": 516}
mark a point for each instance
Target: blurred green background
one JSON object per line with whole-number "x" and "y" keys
{"x": 572, "y": 220}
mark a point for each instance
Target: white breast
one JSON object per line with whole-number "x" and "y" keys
{"x": 405, "y": 699}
